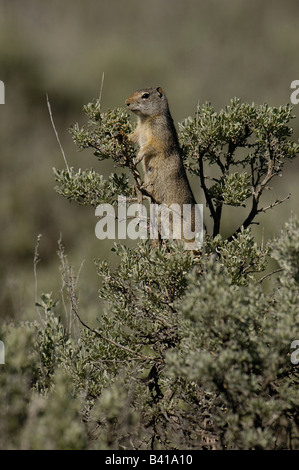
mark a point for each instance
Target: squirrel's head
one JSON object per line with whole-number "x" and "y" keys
{"x": 148, "y": 102}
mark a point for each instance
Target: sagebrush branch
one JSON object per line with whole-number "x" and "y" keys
{"x": 111, "y": 341}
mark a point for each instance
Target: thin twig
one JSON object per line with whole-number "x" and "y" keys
{"x": 36, "y": 260}
{"x": 270, "y": 274}
{"x": 275, "y": 203}
{"x": 76, "y": 279}
{"x": 102, "y": 84}
{"x": 70, "y": 284}
{"x": 263, "y": 235}
{"x": 125, "y": 348}
{"x": 205, "y": 189}
{"x": 56, "y": 133}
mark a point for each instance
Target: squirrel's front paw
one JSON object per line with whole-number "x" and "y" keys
{"x": 131, "y": 138}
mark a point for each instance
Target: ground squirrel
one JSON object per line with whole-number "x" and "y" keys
{"x": 164, "y": 174}
{"x": 165, "y": 177}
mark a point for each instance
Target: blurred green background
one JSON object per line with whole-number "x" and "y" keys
{"x": 197, "y": 50}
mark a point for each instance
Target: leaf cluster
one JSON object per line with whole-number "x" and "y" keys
{"x": 86, "y": 187}
{"x": 105, "y": 133}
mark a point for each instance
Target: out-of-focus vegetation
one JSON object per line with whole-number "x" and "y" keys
{"x": 198, "y": 51}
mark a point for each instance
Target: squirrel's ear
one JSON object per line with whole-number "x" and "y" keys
{"x": 160, "y": 91}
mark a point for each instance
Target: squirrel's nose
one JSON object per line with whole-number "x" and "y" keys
{"x": 127, "y": 102}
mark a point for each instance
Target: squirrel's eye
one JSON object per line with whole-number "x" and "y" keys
{"x": 145, "y": 96}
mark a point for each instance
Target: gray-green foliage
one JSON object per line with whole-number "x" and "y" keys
{"x": 189, "y": 352}
{"x": 183, "y": 357}
{"x": 245, "y": 146}
{"x": 241, "y": 257}
{"x": 285, "y": 249}
{"x": 236, "y": 343}
{"x": 89, "y": 188}
{"x": 105, "y": 135}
